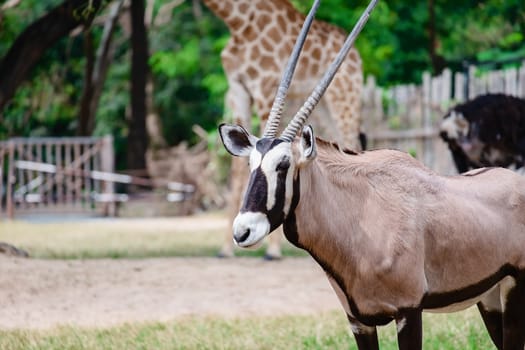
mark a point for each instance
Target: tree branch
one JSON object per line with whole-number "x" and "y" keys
{"x": 32, "y": 43}
{"x": 10, "y": 4}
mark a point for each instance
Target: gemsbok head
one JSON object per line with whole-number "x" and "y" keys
{"x": 393, "y": 237}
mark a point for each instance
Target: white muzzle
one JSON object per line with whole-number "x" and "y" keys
{"x": 250, "y": 228}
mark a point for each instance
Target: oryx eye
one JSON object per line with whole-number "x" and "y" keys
{"x": 283, "y": 165}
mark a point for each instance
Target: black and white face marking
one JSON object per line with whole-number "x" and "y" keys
{"x": 269, "y": 192}
{"x": 268, "y": 198}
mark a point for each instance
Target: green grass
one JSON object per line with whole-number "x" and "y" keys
{"x": 125, "y": 238}
{"x": 325, "y": 331}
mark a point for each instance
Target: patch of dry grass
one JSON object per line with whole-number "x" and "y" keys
{"x": 114, "y": 237}
{"x": 200, "y": 235}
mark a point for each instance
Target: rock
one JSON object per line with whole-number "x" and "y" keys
{"x": 10, "y": 250}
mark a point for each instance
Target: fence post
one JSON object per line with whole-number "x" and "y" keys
{"x": 459, "y": 87}
{"x": 471, "y": 91}
{"x": 108, "y": 165}
{"x": 521, "y": 81}
{"x": 427, "y": 117}
{"x": 2, "y": 156}
{"x": 446, "y": 88}
{"x": 371, "y": 106}
{"x": 511, "y": 81}
{"x": 10, "y": 177}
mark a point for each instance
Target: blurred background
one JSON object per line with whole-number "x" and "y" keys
{"x": 155, "y": 91}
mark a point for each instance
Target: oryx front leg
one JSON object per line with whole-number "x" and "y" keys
{"x": 365, "y": 336}
{"x": 491, "y": 312}
{"x": 513, "y": 301}
{"x": 410, "y": 331}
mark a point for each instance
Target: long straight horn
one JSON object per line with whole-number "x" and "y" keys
{"x": 278, "y": 103}
{"x": 300, "y": 118}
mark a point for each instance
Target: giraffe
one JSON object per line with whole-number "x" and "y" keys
{"x": 263, "y": 33}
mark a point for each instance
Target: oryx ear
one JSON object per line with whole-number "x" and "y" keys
{"x": 237, "y": 140}
{"x": 308, "y": 147}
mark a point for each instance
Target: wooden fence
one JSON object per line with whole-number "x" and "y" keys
{"x": 407, "y": 117}
{"x": 74, "y": 174}
{"x": 49, "y": 174}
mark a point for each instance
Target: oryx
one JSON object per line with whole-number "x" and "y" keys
{"x": 393, "y": 237}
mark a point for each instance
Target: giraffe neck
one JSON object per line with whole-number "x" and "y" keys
{"x": 238, "y": 14}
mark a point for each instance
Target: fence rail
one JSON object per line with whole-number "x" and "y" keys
{"x": 407, "y": 117}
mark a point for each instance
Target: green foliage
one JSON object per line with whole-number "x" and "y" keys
{"x": 189, "y": 82}
{"x": 485, "y": 30}
{"x": 44, "y": 107}
{"x": 85, "y": 12}
{"x": 46, "y": 104}
{"x": 14, "y": 20}
{"x": 394, "y": 45}
{"x": 498, "y": 55}
{"x": 216, "y": 84}
{"x": 177, "y": 63}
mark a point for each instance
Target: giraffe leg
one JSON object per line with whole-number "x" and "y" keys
{"x": 239, "y": 174}
{"x": 273, "y": 251}
{"x": 238, "y": 103}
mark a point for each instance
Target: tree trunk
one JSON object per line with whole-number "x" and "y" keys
{"x": 437, "y": 61}
{"x": 96, "y": 73}
{"x": 31, "y": 44}
{"x": 87, "y": 92}
{"x": 137, "y": 134}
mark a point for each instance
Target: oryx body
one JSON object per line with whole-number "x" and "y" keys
{"x": 393, "y": 237}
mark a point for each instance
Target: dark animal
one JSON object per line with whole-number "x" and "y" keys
{"x": 486, "y": 131}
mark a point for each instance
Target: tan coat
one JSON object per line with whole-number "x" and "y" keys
{"x": 396, "y": 233}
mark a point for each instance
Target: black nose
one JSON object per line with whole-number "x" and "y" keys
{"x": 243, "y": 237}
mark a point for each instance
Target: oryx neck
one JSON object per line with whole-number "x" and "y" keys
{"x": 321, "y": 201}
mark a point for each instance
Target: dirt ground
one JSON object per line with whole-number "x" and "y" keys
{"x": 99, "y": 293}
